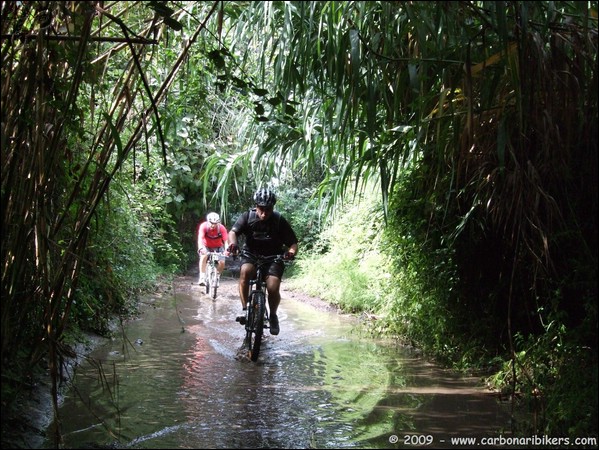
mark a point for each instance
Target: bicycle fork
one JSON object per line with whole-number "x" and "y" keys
{"x": 265, "y": 321}
{"x": 253, "y": 309}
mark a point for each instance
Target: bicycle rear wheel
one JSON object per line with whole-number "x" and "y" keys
{"x": 255, "y": 327}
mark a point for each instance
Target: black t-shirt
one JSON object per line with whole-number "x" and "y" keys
{"x": 266, "y": 238}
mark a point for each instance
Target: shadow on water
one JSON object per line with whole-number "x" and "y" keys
{"x": 179, "y": 380}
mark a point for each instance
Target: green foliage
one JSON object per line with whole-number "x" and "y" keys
{"x": 128, "y": 251}
{"x": 345, "y": 266}
{"x": 302, "y": 210}
{"x": 497, "y": 213}
{"x": 422, "y": 289}
{"x": 554, "y": 377}
{"x": 159, "y": 227}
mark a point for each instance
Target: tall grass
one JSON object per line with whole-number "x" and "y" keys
{"x": 349, "y": 273}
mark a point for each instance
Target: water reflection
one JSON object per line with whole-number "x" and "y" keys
{"x": 316, "y": 385}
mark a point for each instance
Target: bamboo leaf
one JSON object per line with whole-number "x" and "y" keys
{"x": 116, "y": 136}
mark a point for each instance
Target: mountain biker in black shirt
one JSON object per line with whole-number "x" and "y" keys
{"x": 266, "y": 233}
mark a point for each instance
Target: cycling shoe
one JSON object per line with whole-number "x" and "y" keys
{"x": 274, "y": 324}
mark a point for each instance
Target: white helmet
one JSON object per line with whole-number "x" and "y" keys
{"x": 213, "y": 217}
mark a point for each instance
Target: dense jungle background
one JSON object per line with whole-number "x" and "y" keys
{"x": 438, "y": 161}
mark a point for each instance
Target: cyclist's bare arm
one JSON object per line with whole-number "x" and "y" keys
{"x": 232, "y": 237}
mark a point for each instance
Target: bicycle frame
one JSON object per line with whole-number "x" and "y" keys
{"x": 212, "y": 276}
{"x": 257, "y": 314}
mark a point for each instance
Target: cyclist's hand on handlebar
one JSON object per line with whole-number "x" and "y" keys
{"x": 233, "y": 250}
{"x": 289, "y": 256}
{"x": 202, "y": 251}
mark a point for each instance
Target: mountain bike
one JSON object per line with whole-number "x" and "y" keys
{"x": 257, "y": 314}
{"x": 212, "y": 277}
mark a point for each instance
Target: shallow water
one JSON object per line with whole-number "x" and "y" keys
{"x": 176, "y": 378}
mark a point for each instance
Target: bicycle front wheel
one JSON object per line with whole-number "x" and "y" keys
{"x": 209, "y": 277}
{"x": 213, "y": 283}
{"x": 256, "y": 325}
{"x": 207, "y": 282}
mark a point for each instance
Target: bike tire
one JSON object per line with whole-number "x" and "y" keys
{"x": 209, "y": 275}
{"x": 256, "y": 328}
{"x": 213, "y": 283}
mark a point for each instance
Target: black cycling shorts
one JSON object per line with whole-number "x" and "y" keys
{"x": 275, "y": 269}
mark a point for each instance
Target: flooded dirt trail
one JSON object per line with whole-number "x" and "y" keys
{"x": 175, "y": 378}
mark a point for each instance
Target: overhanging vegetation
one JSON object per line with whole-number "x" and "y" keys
{"x": 474, "y": 122}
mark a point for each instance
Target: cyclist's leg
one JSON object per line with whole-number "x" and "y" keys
{"x": 221, "y": 262}
{"x": 248, "y": 271}
{"x": 273, "y": 285}
{"x": 202, "y": 267}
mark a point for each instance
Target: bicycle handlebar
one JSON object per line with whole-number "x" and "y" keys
{"x": 218, "y": 255}
{"x": 260, "y": 259}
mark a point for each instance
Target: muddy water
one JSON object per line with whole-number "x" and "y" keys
{"x": 175, "y": 378}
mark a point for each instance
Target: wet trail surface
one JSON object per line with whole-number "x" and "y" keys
{"x": 176, "y": 378}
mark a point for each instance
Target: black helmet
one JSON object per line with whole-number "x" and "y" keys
{"x": 265, "y": 197}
